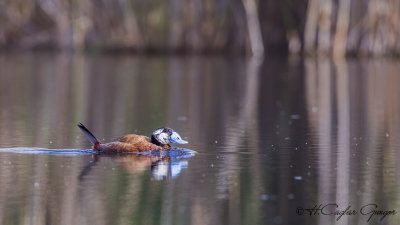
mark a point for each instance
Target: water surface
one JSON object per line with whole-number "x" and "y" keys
{"x": 271, "y": 137}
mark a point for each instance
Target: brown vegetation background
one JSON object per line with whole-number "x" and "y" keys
{"x": 330, "y": 27}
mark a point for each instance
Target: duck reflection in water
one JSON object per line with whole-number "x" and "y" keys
{"x": 162, "y": 164}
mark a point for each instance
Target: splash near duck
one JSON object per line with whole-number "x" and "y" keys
{"x": 160, "y": 140}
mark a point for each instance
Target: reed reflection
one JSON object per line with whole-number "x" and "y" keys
{"x": 355, "y": 121}
{"x": 271, "y": 136}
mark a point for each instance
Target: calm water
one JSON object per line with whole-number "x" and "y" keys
{"x": 271, "y": 137}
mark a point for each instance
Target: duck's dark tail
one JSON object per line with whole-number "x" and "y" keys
{"x": 89, "y": 135}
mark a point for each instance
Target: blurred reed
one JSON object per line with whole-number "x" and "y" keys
{"x": 175, "y": 26}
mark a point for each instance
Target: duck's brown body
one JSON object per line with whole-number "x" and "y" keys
{"x": 130, "y": 143}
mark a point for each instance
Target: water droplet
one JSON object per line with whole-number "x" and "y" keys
{"x": 290, "y": 196}
{"x": 212, "y": 165}
{"x": 314, "y": 109}
{"x": 216, "y": 141}
{"x": 182, "y": 118}
{"x": 264, "y": 197}
{"x": 295, "y": 117}
{"x": 387, "y": 134}
{"x": 277, "y": 220}
{"x": 36, "y": 184}
{"x": 298, "y": 177}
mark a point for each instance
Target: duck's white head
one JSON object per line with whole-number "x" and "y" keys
{"x": 165, "y": 135}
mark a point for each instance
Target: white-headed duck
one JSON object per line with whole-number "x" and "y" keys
{"x": 160, "y": 140}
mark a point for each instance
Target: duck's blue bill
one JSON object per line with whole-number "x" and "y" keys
{"x": 176, "y": 138}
